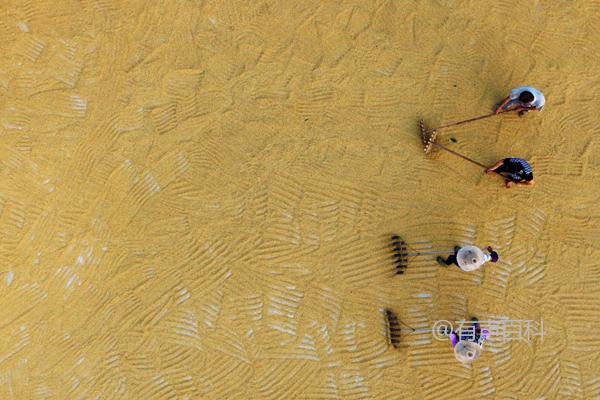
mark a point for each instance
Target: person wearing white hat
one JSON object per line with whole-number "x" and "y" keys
{"x": 467, "y": 345}
{"x": 469, "y": 258}
{"x": 523, "y": 100}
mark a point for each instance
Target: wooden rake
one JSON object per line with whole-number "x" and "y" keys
{"x": 469, "y": 120}
{"x": 393, "y": 326}
{"x": 403, "y": 252}
{"x": 394, "y": 329}
{"x": 428, "y": 138}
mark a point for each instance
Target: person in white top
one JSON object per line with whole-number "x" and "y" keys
{"x": 523, "y": 100}
{"x": 469, "y": 258}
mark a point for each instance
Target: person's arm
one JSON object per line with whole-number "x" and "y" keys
{"x": 501, "y": 106}
{"x": 453, "y": 338}
{"x": 493, "y": 254}
{"x": 524, "y": 110}
{"x": 493, "y": 168}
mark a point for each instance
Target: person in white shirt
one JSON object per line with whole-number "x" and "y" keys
{"x": 523, "y": 100}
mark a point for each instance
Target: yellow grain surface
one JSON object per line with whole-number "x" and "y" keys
{"x": 196, "y": 197}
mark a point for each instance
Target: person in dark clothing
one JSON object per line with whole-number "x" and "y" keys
{"x": 451, "y": 258}
{"x": 516, "y": 171}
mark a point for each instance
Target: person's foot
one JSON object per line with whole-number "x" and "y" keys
{"x": 441, "y": 261}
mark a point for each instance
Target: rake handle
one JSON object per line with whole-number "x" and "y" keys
{"x": 426, "y": 253}
{"x": 470, "y": 120}
{"x": 459, "y": 155}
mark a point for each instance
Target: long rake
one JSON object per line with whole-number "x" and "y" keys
{"x": 394, "y": 328}
{"x": 428, "y": 137}
{"x": 403, "y": 252}
{"x": 469, "y": 120}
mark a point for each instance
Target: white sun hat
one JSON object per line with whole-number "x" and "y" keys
{"x": 470, "y": 258}
{"x": 466, "y": 352}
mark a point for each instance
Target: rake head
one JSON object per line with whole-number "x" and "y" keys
{"x": 427, "y": 137}
{"x": 400, "y": 254}
{"x": 393, "y": 328}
